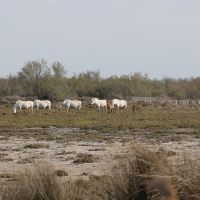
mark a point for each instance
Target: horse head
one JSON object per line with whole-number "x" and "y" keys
{"x": 114, "y": 102}
{"x": 59, "y": 106}
{"x": 93, "y": 101}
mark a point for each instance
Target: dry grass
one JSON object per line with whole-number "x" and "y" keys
{"x": 41, "y": 183}
{"x": 36, "y": 146}
{"x": 61, "y": 173}
{"x": 143, "y": 174}
{"x": 26, "y": 160}
{"x": 7, "y": 175}
{"x": 84, "y": 158}
{"x": 140, "y": 175}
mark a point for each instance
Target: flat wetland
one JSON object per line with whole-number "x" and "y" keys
{"x": 84, "y": 143}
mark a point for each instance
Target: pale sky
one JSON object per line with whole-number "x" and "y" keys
{"x": 118, "y": 37}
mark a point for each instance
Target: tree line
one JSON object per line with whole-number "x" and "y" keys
{"x": 37, "y": 79}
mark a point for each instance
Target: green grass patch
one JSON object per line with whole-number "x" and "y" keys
{"x": 150, "y": 117}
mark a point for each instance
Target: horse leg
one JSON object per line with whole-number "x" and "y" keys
{"x": 122, "y": 108}
{"x": 29, "y": 109}
{"x": 47, "y": 107}
{"x": 77, "y": 109}
{"x": 98, "y": 108}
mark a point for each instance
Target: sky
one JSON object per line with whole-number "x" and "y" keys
{"x": 160, "y": 38}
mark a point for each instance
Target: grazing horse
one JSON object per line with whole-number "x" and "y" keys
{"x": 135, "y": 107}
{"x": 119, "y": 104}
{"x": 23, "y": 105}
{"x": 99, "y": 104}
{"x": 110, "y": 107}
{"x": 42, "y": 104}
{"x": 70, "y": 104}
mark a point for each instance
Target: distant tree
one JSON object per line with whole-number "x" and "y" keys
{"x": 157, "y": 88}
{"x": 104, "y": 88}
{"x": 15, "y": 88}
{"x": 4, "y": 87}
{"x": 135, "y": 85}
{"x": 32, "y": 76}
{"x": 58, "y": 83}
{"x": 36, "y": 79}
{"x": 84, "y": 83}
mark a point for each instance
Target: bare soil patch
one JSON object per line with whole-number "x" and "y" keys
{"x": 81, "y": 158}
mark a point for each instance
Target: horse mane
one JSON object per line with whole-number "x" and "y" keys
{"x": 63, "y": 102}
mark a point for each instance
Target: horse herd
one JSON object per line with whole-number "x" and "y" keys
{"x": 100, "y": 105}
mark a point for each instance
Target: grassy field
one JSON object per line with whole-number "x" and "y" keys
{"x": 137, "y": 174}
{"x": 152, "y": 117}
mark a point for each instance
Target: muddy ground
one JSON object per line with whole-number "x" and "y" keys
{"x": 16, "y": 156}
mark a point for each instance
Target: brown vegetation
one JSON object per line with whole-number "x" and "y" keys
{"x": 140, "y": 174}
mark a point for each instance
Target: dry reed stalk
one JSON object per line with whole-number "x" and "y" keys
{"x": 42, "y": 183}
{"x": 140, "y": 175}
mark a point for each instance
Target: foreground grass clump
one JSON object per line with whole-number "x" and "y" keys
{"x": 143, "y": 174}
{"x": 36, "y": 146}
{"x": 7, "y": 175}
{"x": 139, "y": 175}
{"x": 84, "y": 158}
{"x": 41, "y": 183}
{"x": 61, "y": 173}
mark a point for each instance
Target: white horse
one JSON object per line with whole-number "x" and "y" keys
{"x": 70, "y": 104}
{"x": 42, "y": 104}
{"x": 119, "y": 104}
{"x": 99, "y": 104}
{"x": 23, "y": 105}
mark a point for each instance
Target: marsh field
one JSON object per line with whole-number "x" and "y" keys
{"x": 150, "y": 153}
